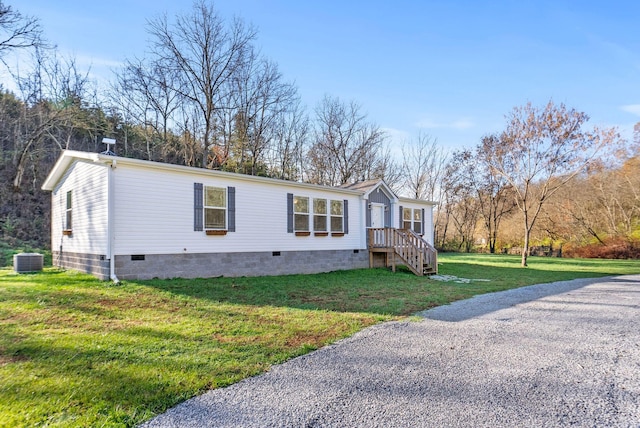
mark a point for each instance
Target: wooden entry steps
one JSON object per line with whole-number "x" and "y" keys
{"x": 404, "y": 245}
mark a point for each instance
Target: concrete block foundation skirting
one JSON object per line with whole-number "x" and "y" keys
{"x": 148, "y": 266}
{"x": 95, "y": 264}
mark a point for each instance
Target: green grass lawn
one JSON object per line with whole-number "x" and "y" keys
{"x": 75, "y": 351}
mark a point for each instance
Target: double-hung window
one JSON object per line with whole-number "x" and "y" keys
{"x": 323, "y": 216}
{"x": 417, "y": 221}
{"x": 337, "y": 216}
{"x": 406, "y": 218}
{"x": 301, "y": 213}
{"x": 68, "y": 212}
{"x": 320, "y": 215}
{"x": 412, "y": 219}
{"x": 215, "y": 208}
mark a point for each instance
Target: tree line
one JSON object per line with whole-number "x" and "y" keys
{"x": 549, "y": 180}
{"x": 204, "y": 96}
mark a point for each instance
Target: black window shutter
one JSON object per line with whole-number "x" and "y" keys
{"x": 198, "y": 207}
{"x": 345, "y": 212}
{"x": 289, "y": 212}
{"x": 231, "y": 208}
{"x": 401, "y": 219}
{"x": 367, "y": 213}
{"x": 387, "y": 215}
{"x": 422, "y": 228}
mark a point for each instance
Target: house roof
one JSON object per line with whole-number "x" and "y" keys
{"x": 364, "y": 186}
{"x": 368, "y": 186}
{"x": 422, "y": 201}
{"x": 62, "y": 164}
{"x": 68, "y": 157}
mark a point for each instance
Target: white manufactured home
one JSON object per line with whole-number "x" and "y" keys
{"x": 123, "y": 218}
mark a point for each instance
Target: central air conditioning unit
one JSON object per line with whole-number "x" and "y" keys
{"x": 27, "y": 262}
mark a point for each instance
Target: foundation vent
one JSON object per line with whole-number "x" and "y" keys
{"x": 27, "y": 262}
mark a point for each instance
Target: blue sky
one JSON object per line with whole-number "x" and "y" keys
{"x": 450, "y": 69}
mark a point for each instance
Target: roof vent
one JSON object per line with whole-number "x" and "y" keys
{"x": 27, "y": 262}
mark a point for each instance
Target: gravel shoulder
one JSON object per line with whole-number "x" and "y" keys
{"x": 566, "y": 353}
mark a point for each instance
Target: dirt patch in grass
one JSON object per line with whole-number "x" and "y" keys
{"x": 307, "y": 340}
{"x": 8, "y": 359}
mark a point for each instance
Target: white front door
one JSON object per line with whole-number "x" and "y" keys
{"x": 377, "y": 215}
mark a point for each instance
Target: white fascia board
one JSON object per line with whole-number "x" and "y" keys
{"x": 62, "y": 164}
{"x": 418, "y": 201}
{"x": 222, "y": 174}
{"x": 68, "y": 156}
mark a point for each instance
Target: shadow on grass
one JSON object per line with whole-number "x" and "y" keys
{"x": 375, "y": 291}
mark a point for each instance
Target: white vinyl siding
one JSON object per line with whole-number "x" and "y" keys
{"x": 153, "y": 211}
{"x": 80, "y": 205}
{"x": 154, "y": 214}
{"x": 425, "y": 210}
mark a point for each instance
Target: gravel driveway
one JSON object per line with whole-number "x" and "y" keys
{"x": 559, "y": 354}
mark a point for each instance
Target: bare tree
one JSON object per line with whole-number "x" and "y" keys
{"x": 460, "y": 205}
{"x": 423, "y": 163}
{"x": 540, "y": 151}
{"x": 600, "y": 205}
{"x": 346, "y": 145}
{"x": 52, "y": 94}
{"x": 423, "y": 177}
{"x": 144, "y": 92}
{"x": 493, "y": 193}
{"x": 205, "y": 53}
{"x": 614, "y": 194}
{"x": 634, "y": 147}
{"x": 387, "y": 168}
{"x": 261, "y": 97}
{"x": 573, "y": 214}
{"x": 286, "y": 157}
{"x": 17, "y": 31}
{"x": 464, "y": 215}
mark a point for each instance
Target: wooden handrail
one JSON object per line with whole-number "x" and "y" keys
{"x": 414, "y": 251}
{"x": 428, "y": 250}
